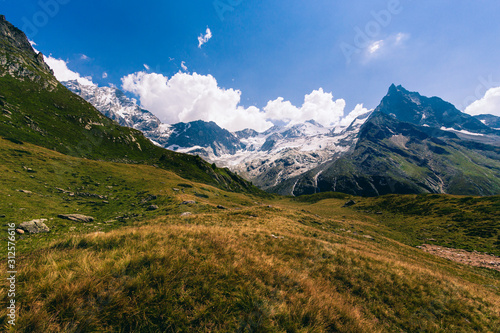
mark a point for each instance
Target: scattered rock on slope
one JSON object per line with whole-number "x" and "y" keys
{"x": 34, "y": 226}
{"x": 76, "y": 217}
{"x": 349, "y": 203}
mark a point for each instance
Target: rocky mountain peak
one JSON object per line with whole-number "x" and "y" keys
{"x": 14, "y": 36}
{"x": 434, "y": 112}
{"x": 19, "y": 59}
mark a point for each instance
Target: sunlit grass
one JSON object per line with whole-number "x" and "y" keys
{"x": 273, "y": 265}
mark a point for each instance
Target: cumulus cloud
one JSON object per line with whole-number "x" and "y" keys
{"x": 318, "y": 105}
{"x": 203, "y": 39}
{"x": 189, "y": 97}
{"x": 63, "y": 73}
{"x": 358, "y": 111}
{"x": 489, "y": 104}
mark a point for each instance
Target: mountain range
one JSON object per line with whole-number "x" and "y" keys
{"x": 36, "y": 108}
{"x": 115, "y": 233}
{"x": 408, "y": 144}
{"x": 267, "y": 158}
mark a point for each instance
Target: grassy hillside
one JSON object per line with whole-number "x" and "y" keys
{"x": 278, "y": 265}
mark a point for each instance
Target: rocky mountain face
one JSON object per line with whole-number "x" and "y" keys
{"x": 113, "y": 103}
{"x": 433, "y": 112}
{"x": 409, "y": 145}
{"x": 266, "y": 159}
{"x": 489, "y": 120}
{"x": 17, "y": 58}
{"x": 204, "y": 138}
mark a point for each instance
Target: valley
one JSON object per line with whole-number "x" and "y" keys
{"x": 207, "y": 259}
{"x": 384, "y": 225}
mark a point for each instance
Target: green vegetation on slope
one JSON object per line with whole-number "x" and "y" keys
{"x": 283, "y": 265}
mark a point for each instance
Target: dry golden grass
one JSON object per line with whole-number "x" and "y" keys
{"x": 263, "y": 265}
{"x": 225, "y": 272}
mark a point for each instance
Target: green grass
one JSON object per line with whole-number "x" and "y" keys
{"x": 263, "y": 265}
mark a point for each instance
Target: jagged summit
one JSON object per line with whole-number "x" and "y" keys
{"x": 428, "y": 111}
{"x": 13, "y": 36}
{"x": 17, "y": 56}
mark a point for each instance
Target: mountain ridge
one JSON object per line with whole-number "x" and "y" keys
{"x": 409, "y": 156}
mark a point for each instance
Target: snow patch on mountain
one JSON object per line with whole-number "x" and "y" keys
{"x": 267, "y": 158}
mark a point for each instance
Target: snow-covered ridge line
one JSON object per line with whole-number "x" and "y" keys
{"x": 267, "y": 158}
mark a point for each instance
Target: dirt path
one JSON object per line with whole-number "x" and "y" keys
{"x": 464, "y": 257}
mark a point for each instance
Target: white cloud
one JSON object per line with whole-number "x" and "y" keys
{"x": 489, "y": 104}
{"x": 189, "y": 97}
{"x": 400, "y": 38}
{"x": 203, "y": 39}
{"x": 183, "y": 66}
{"x": 104, "y": 75}
{"x": 358, "y": 111}
{"x": 375, "y": 46}
{"x": 63, "y": 73}
{"x": 318, "y": 105}
{"x": 146, "y": 66}
{"x": 84, "y": 57}
{"x": 390, "y": 43}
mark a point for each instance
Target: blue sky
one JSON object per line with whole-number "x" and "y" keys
{"x": 271, "y": 49}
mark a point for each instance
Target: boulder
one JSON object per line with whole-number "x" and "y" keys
{"x": 221, "y": 207}
{"x": 34, "y": 226}
{"x": 349, "y": 203}
{"x": 20, "y": 231}
{"x": 153, "y": 207}
{"x": 25, "y": 191}
{"x": 76, "y": 217}
{"x": 189, "y": 202}
{"x": 186, "y": 214}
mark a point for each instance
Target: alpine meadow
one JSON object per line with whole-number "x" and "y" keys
{"x": 142, "y": 199}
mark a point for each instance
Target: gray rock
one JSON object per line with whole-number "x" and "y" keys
{"x": 76, "y": 217}
{"x": 153, "y": 207}
{"x": 34, "y": 226}
{"x": 186, "y": 214}
{"x": 349, "y": 203}
{"x": 189, "y": 202}
{"x": 25, "y": 191}
{"x": 221, "y": 207}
